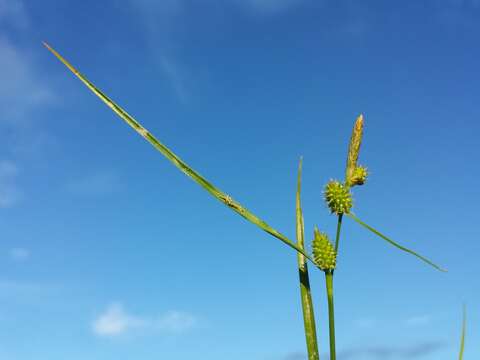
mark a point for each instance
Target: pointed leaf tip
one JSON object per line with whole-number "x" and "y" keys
{"x": 390, "y": 241}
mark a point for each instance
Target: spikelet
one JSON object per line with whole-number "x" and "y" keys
{"x": 323, "y": 251}
{"x": 359, "y": 176}
{"x": 354, "y": 150}
{"x": 338, "y": 197}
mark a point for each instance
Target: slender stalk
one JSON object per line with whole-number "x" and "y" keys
{"x": 305, "y": 294}
{"x": 331, "y": 313}
{"x": 339, "y": 227}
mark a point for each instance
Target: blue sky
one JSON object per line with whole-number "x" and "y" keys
{"x": 108, "y": 252}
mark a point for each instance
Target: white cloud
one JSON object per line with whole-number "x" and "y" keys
{"x": 116, "y": 321}
{"x": 9, "y": 192}
{"x": 19, "y": 254}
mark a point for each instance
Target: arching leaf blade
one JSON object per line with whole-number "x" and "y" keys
{"x": 403, "y": 248}
{"x": 179, "y": 163}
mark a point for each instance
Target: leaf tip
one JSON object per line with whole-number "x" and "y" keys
{"x": 46, "y": 45}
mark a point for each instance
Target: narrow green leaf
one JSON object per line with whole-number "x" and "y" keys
{"x": 179, "y": 163}
{"x": 464, "y": 330}
{"x": 300, "y": 230}
{"x": 376, "y": 232}
{"x": 305, "y": 293}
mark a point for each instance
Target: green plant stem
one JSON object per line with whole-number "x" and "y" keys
{"x": 331, "y": 313}
{"x": 305, "y": 293}
{"x": 339, "y": 227}
{"x": 307, "y": 307}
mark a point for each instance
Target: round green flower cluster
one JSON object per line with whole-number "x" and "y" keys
{"x": 323, "y": 251}
{"x": 338, "y": 197}
{"x": 359, "y": 176}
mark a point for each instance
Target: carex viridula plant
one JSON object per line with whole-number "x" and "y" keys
{"x": 337, "y": 195}
{"x": 339, "y": 199}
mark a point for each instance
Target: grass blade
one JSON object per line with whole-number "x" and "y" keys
{"x": 376, "y": 232}
{"x": 305, "y": 293}
{"x": 179, "y": 163}
{"x": 464, "y": 330}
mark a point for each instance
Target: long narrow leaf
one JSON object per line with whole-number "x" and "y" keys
{"x": 464, "y": 330}
{"x": 179, "y": 163}
{"x": 305, "y": 293}
{"x": 376, "y": 232}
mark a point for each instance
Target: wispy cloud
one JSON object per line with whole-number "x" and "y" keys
{"x": 161, "y": 20}
{"x": 100, "y": 183}
{"x": 9, "y": 191}
{"x": 20, "y": 90}
{"x": 19, "y": 254}
{"x": 176, "y": 76}
{"x": 23, "y": 95}
{"x": 158, "y": 15}
{"x": 116, "y": 321}
{"x": 13, "y": 13}
{"x": 22, "y": 292}
{"x": 175, "y": 322}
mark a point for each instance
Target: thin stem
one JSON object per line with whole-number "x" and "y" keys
{"x": 339, "y": 227}
{"x": 331, "y": 313}
{"x": 308, "y": 314}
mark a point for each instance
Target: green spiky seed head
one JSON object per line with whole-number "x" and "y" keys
{"x": 359, "y": 176}
{"x": 324, "y": 253}
{"x": 338, "y": 197}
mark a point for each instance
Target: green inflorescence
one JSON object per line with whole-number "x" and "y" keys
{"x": 359, "y": 176}
{"x": 338, "y": 197}
{"x": 324, "y": 253}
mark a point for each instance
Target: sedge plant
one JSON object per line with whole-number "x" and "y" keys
{"x": 324, "y": 253}
{"x": 338, "y": 197}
